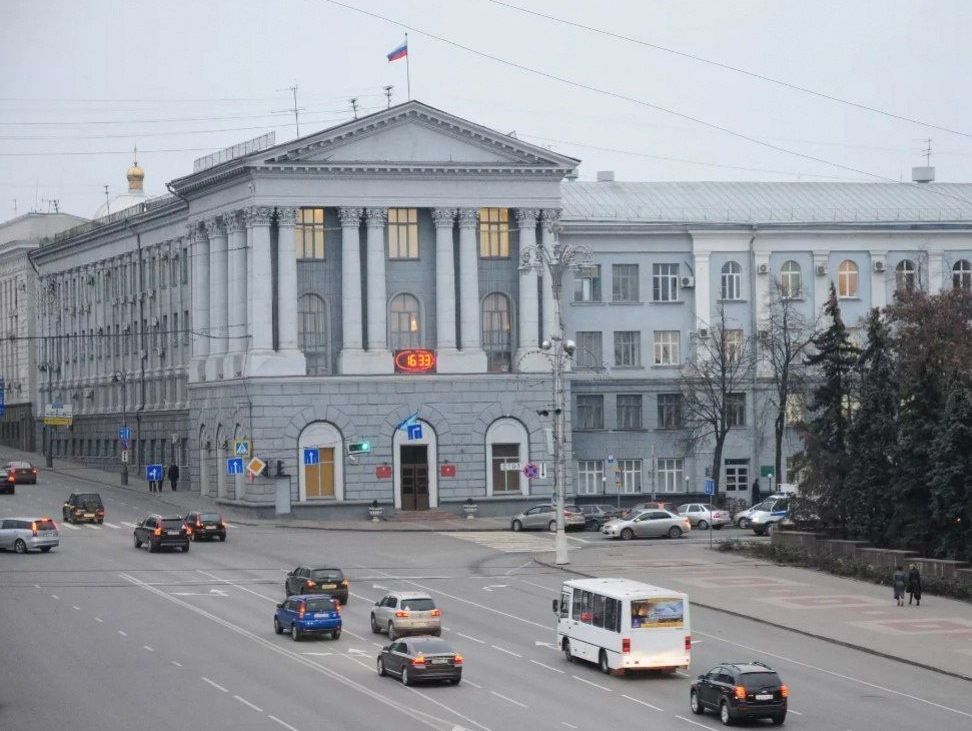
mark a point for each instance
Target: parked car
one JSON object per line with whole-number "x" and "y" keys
{"x": 160, "y": 532}
{"x": 647, "y": 524}
{"x": 597, "y": 515}
{"x": 312, "y": 614}
{"x": 768, "y": 514}
{"x": 740, "y": 691}
{"x": 638, "y": 507}
{"x": 701, "y": 516}
{"x": 24, "y": 534}
{"x": 7, "y": 484}
{"x": 83, "y": 506}
{"x": 406, "y": 612}
{"x": 420, "y": 659}
{"x": 20, "y": 473}
{"x": 544, "y": 517}
{"x": 206, "y": 525}
{"x": 303, "y": 580}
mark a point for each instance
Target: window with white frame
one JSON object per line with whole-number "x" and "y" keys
{"x": 733, "y": 344}
{"x": 629, "y": 411}
{"x": 494, "y": 233}
{"x": 590, "y": 476}
{"x": 630, "y": 471}
{"x": 309, "y": 233}
{"x": 737, "y": 475}
{"x": 627, "y": 348}
{"x": 624, "y": 282}
{"x": 590, "y": 352}
{"x": 731, "y": 281}
{"x": 790, "y": 280}
{"x": 670, "y": 474}
{"x": 847, "y": 279}
{"x": 667, "y": 348}
{"x": 497, "y": 337}
{"x": 669, "y": 411}
{"x": 962, "y": 275}
{"x": 664, "y": 282}
{"x": 403, "y": 233}
{"x": 404, "y": 324}
{"x": 904, "y": 276}
{"x": 312, "y": 333}
{"x": 735, "y": 409}
{"x": 587, "y": 284}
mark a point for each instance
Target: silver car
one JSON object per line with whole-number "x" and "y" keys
{"x": 544, "y": 517}
{"x": 702, "y": 516}
{"x": 647, "y": 524}
{"x": 406, "y": 612}
{"x": 23, "y": 534}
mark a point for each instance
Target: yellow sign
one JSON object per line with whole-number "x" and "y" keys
{"x": 58, "y": 420}
{"x": 255, "y": 466}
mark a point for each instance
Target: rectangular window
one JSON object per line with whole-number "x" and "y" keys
{"x": 590, "y": 350}
{"x": 733, "y": 340}
{"x": 630, "y": 470}
{"x": 664, "y": 282}
{"x": 309, "y": 233}
{"x": 587, "y": 284}
{"x": 667, "y": 348}
{"x": 590, "y": 476}
{"x": 175, "y": 330}
{"x": 590, "y": 412}
{"x": 627, "y": 348}
{"x": 186, "y": 328}
{"x": 624, "y": 282}
{"x": 163, "y": 272}
{"x": 319, "y": 478}
{"x": 795, "y": 409}
{"x": 184, "y": 264}
{"x": 669, "y": 411}
{"x": 494, "y": 233}
{"x": 737, "y": 475}
{"x": 735, "y": 409}
{"x": 671, "y": 477}
{"x": 505, "y": 480}
{"x": 629, "y": 411}
{"x": 403, "y": 233}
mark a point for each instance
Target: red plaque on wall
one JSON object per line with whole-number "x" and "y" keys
{"x": 383, "y": 471}
{"x": 447, "y": 470}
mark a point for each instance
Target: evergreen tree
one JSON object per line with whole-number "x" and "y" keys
{"x": 951, "y": 477}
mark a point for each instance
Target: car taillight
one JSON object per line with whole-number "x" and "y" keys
{"x": 344, "y": 582}
{"x": 33, "y": 529}
{"x": 311, "y": 584}
{"x": 626, "y": 645}
{"x": 157, "y": 532}
{"x": 784, "y": 692}
{"x": 221, "y": 524}
{"x": 436, "y": 612}
{"x": 34, "y": 471}
{"x": 401, "y": 613}
{"x": 198, "y": 523}
{"x": 100, "y": 511}
{"x": 302, "y": 610}
{"x": 688, "y": 642}
{"x": 419, "y": 662}
{"x": 457, "y": 661}
{"x": 740, "y": 692}
{"x": 337, "y": 606}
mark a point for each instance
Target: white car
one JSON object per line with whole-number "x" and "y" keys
{"x": 701, "y": 516}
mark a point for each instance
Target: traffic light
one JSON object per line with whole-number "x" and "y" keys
{"x": 359, "y": 447}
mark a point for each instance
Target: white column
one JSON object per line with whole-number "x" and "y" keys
{"x": 445, "y": 279}
{"x": 472, "y": 358}
{"x": 551, "y": 218}
{"x": 259, "y": 281}
{"x": 350, "y": 289}
{"x": 935, "y": 271}
{"x": 286, "y": 279}
{"x": 703, "y": 291}
{"x": 879, "y": 289}
{"x": 216, "y": 232}
{"x": 377, "y": 326}
{"x": 236, "y": 294}
{"x": 199, "y": 251}
{"x": 529, "y": 309}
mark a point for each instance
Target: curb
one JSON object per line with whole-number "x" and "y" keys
{"x": 777, "y": 625}
{"x": 128, "y": 488}
{"x": 385, "y": 530}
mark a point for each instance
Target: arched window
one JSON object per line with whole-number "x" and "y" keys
{"x": 497, "y": 340}
{"x": 312, "y": 334}
{"x": 790, "y": 280}
{"x": 507, "y": 445}
{"x": 847, "y": 279}
{"x": 404, "y": 323}
{"x": 904, "y": 275}
{"x": 731, "y": 281}
{"x": 962, "y": 274}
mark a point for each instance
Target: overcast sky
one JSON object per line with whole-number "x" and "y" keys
{"x": 82, "y": 83}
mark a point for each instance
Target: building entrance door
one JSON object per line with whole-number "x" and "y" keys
{"x": 415, "y": 478}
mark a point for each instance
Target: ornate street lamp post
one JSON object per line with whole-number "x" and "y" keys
{"x": 120, "y": 377}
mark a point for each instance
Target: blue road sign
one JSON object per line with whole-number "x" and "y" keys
{"x": 312, "y": 456}
{"x": 234, "y": 466}
{"x": 242, "y": 447}
{"x": 709, "y": 486}
{"x": 153, "y": 472}
{"x": 125, "y": 433}
{"x": 407, "y": 421}
{"x": 414, "y": 431}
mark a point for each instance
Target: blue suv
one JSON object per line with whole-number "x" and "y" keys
{"x": 308, "y": 614}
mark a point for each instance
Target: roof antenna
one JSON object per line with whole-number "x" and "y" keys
{"x": 388, "y": 95}
{"x": 295, "y": 109}
{"x": 107, "y": 201}
{"x": 927, "y": 152}
{"x": 354, "y": 105}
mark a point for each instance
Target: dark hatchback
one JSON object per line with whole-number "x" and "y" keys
{"x": 421, "y": 659}
{"x": 206, "y": 526}
{"x": 83, "y": 506}
{"x": 304, "y": 580}
{"x": 162, "y": 532}
{"x": 21, "y": 473}
{"x": 739, "y": 691}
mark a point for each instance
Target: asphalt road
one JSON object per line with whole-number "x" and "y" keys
{"x": 99, "y": 635}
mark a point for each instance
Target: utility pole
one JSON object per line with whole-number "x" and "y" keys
{"x": 354, "y": 106}
{"x": 388, "y": 97}
{"x": 293, "y": 90}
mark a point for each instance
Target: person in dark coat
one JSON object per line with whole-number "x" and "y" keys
{"x": 899, "y": 581}
{"x": 173, "y": 475}
{"x": 914, "y": 585}
{"x": 756, "y": 491}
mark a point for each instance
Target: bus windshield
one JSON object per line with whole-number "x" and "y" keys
{"x": 657, "y": 613}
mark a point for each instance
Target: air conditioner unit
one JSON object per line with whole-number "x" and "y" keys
{"x": 879, "y": 265}
{"x": 763, "y": 335}
{"x": 821, "y": 270}
{"x": 702, "y": 332}
{"x": 762, "y": 269}
{"x": 687, "y": 282}
{"x": 155, "y": 322}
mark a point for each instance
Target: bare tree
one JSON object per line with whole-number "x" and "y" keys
{"x": 713, "y": 384}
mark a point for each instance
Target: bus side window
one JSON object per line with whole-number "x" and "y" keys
{"x": 587, "y": 607}
{"x": 564, "y": 604}
{"x": 575, "y": 610}
{"x": 612, "y": 615}
{"x": 598, "y": 620}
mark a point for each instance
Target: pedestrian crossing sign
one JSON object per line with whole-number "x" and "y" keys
{"x": 241, "y": 447}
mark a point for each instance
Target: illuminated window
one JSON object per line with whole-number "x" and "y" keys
{"x": 496, "y": 333}
{"x": 790, "y": 283}
{"x": 404, "y": 324}
{"x": 403, "y": 235}
{"x": 310, "y": 233}
{"x": 667, "y": 350}
{"x": 494, "y": 233}
{"x": 847, "y": 279}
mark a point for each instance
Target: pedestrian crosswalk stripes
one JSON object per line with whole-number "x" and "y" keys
{"x": 130, "y": 525}
{"x": 68, "y": 525}
{"x": 112, "y": 525}
{"x": 505, "y": 541}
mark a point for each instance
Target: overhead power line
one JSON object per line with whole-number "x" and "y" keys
{"x": 729, "y": 67}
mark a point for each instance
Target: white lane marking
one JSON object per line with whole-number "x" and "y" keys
{"x": 469, "y": 682}
{"x": 656, "y": 708}
{"x": 575, "y": 538}
{"x": 320, "y": 654}
{"x": 92, "y": 526}
{"x": 680, "y": 674}
{"x": 596, "y": 685}
{"x": 795, "y": 713}
{"x": 245, "y": 702}
{"x": 130, "y": 525}
{"x": 99, "y": 619}
{"x": 69, "y": 526}
{"x": 217, "y": 686}
{"x": 839, "y": 675}
{"x": 508, "y": 652}
{"x": 75, "y": 608}
{"x": 539, "y": 586}
{"x": 176, "y": 663}
{"x": 112, "y": 525}
{"x": 150, "y": 649}
{"x": 123, "y": 633}
{"x": 694, "y": 723}
{"x": 55, "y": 596}
{"x": 237, "y": 586}
{"x": 556, "y": 670}
{"x": 507, "y": 698}
{"x": 568, "y": 725}
{"x": 282, "y": 723}
{"x": 37, "y": 586}
{"x": 470, "y": 637}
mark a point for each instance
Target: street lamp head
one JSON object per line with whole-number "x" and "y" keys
{"x": 546, "y": 345}
{"x": 570, "y": 347}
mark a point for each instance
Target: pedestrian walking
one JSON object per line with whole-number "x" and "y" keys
{"x": 899, "y": 581}
{"x": 174, "y": 476}
{"x": 152, "y": 486}
{"x": 914, "y": 585}
{"x": 756, "y": 491}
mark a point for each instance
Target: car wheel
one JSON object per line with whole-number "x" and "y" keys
{"x": 769, "y": 530}
{"x": 778, "y": 719}
{"x": 567, "y": 655}
{"x": 276, "y": 626}
{"x": 674, "y": 532}
{"x": 222, "y": 538}
{"x": 627, "y": 534}
{"x": 138, "y": 543}
{"x": 456, "y": 681}
{"x": 724, "y": 715}
{"x": 702, "y": 525}
{"x": 744, "y": 523}
{"x": 602, "y": 663}
{"x": 695, "y": 704}
{"x": 374, "y": 626}
{"x": 20, "y": 546}
{"x": 185, "y": 548}
{"x": 406, "y": 678}
{"x": 391, "y": 631}
{"x": 336, "y": 634}
{"x": 552, "y": 526}
{"x": 517, "y": 526}
{"x": 45, "y": 549}
{"x": 153, "y": 547}
{"x": 759, "y": 531}
{"x": 295, "y": 632}
{"x": 381, "y": 667}
{"x": 437, "y": 633}
{"x": 101, "y": 521}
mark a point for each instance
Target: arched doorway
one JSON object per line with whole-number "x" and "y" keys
{"x": 416, "y": 456}
{"x": 324, "y": 480}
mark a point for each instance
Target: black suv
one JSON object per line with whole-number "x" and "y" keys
{"x": 206, "y": 525}
{"x": 160, "y": 532}
{"x": 740, "y": 691}
{"x": 83, "y": 506}
{"x": 304, "y": 580}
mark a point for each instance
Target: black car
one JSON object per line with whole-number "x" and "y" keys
{"x": 597, "y": 515}
{"x": 83, "y": 506}
{"x": 206, "y": 525}
{"x": 19, "y": 473}
{"x": 740, "y": 691}
{"x": 303, "y": 580}
{"x": 420, "y": 659}
{"x": 160, "y": 532}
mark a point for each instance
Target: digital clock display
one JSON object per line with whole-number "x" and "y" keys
{"x": 415, "y": 360}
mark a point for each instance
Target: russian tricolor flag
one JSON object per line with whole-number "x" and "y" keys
{"x": 400, "y": 52}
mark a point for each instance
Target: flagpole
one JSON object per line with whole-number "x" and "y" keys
{"x": 408, "y": 75}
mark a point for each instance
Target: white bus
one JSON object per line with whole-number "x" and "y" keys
{"x": 623, "y": 625}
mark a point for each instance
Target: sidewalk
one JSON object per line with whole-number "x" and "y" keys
{"x": 937, "y": 635}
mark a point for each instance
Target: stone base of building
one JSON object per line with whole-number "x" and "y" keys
{"x": 275, "y": 363}
{"x": 461, "y": 361}
{"x": 366, "y": 362}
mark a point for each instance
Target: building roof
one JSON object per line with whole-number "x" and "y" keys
{"x": 766, "y": 202}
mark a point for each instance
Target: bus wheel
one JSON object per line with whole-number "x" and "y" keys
{"x": 567, "y": 655}
{"x": 602, "y": 662}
